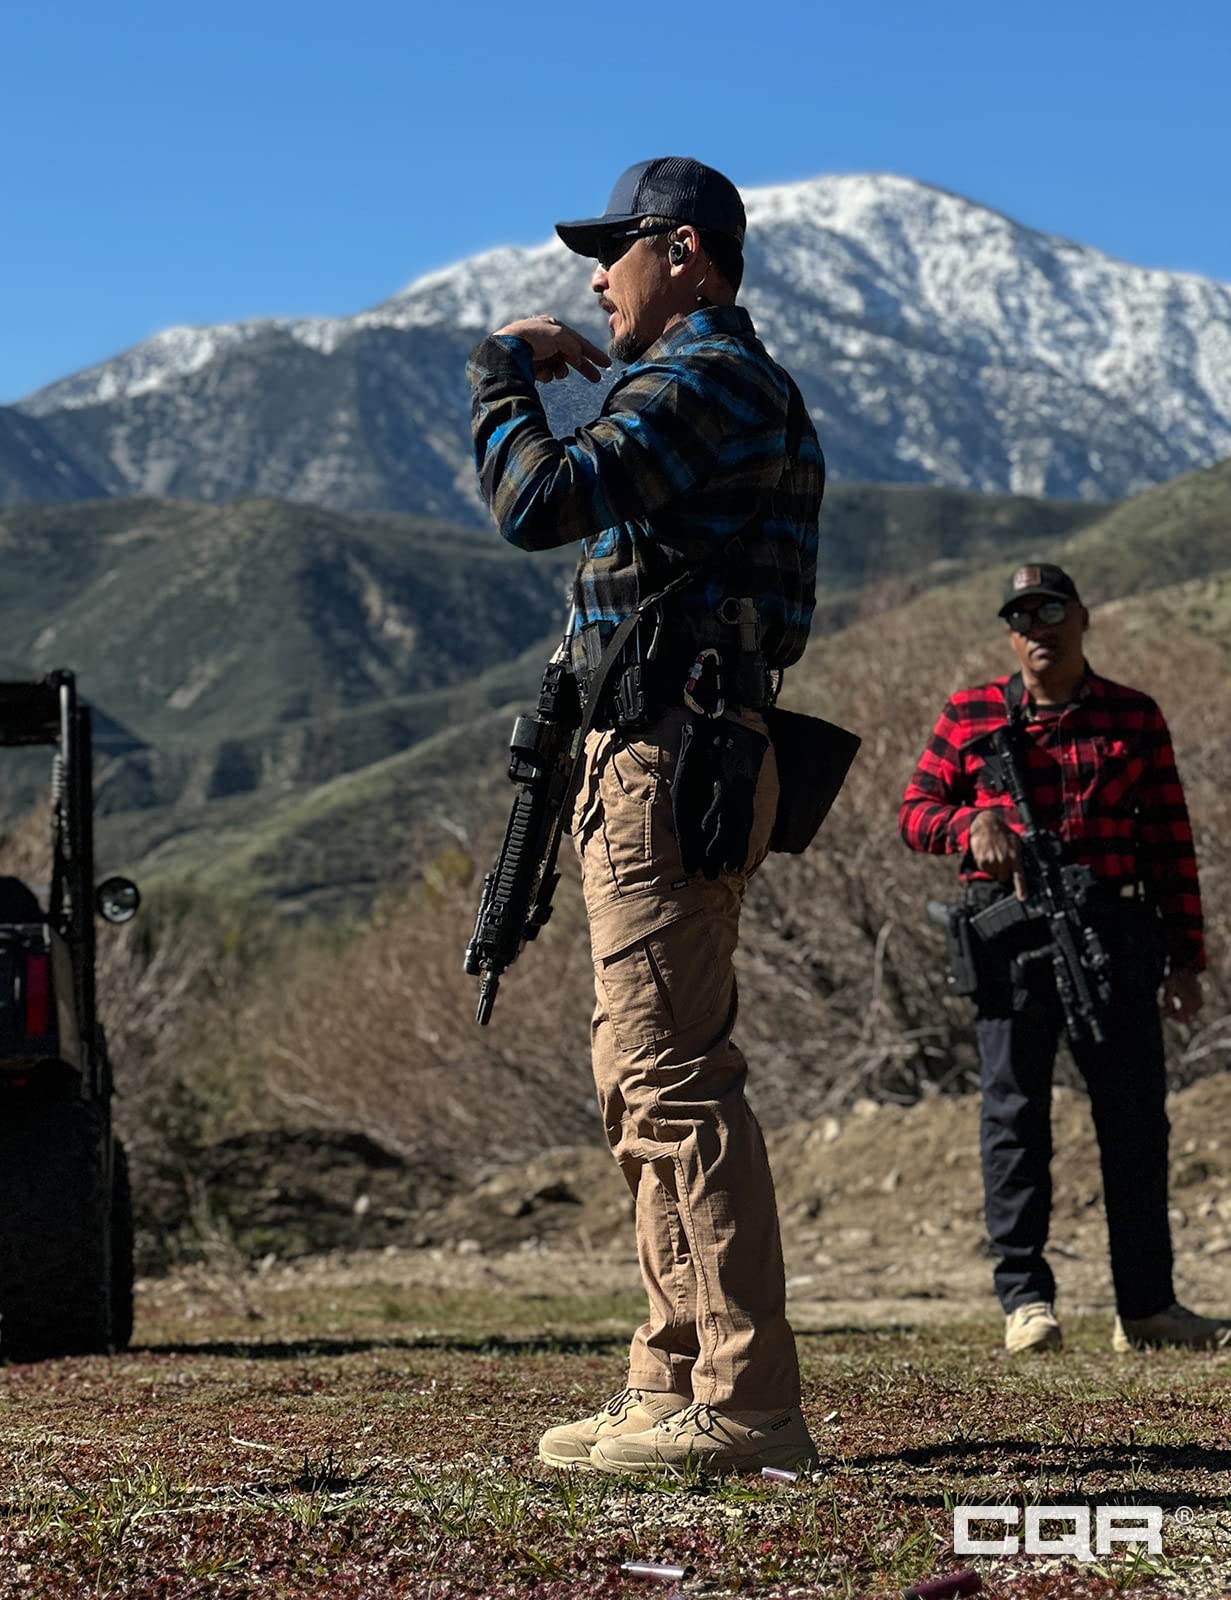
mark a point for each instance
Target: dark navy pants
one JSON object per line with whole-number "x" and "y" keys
{"x": 1018, "y": 1024}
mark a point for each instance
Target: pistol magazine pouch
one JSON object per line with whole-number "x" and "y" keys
{"x": 713, "y": 794}
{"x": 814, "y": 757}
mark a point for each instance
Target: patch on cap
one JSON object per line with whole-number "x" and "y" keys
{"x": 1027, "y": 577}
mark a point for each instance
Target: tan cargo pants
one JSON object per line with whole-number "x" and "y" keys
{"x": 670, "y": 1081}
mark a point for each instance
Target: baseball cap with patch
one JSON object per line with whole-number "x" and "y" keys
{"x": 668, "y": 186}
{"x": 1039, "y": 578}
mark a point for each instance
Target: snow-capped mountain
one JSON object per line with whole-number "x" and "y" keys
{"x": 934, "y": 340}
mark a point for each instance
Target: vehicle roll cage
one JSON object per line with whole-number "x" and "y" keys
{"x": 49, "y": 711}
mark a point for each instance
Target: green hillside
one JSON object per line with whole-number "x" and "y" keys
{"x": 194, "y": 625}
{"x": 385, "y": 821}
{"x": 872, "y": 533}
{"x": 262, "y": 649}
{"x": 322, "y": 701}
{"x": 198, "y": 623}
{"x": 1178, "y": 533}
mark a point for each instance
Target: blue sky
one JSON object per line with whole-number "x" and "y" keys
{"x": 208, "y": 162}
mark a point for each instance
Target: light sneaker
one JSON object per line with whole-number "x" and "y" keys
{"x": 1176, "y": 1326}
{"x": 630, "y": 1411}
{"x": 1032, "y": 1327}
{"x": 706, "y": 1440}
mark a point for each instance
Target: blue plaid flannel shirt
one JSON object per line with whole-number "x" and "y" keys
{"x": 691, "y": 447}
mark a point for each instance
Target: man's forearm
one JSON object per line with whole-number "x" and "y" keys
{"x": 935, "y": 827}
{"x": 515, "y": 450}
{"x": 541, "y": 492}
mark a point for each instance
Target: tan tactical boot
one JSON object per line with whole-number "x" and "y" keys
{"x": 1176, "y": 1326}
{"x": 1032, "y": 1327}
{"x": 703, "y": 1439}
{"x": 630, "y": 1411}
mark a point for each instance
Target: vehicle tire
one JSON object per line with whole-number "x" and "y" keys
{"x": 55, "y": 1228}
{"x": 121, "y": 1250}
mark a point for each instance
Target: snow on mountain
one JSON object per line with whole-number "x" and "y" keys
{"x": 934, "y": 339}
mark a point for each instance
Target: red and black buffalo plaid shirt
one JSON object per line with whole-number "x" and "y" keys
{"x": 1101, "y": 774}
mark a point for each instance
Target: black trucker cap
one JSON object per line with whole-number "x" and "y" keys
{"x": 1038, "y": 578}
{"x": 669, "y": 186}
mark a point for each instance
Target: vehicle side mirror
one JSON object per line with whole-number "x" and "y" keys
{"x": 117, "y": 899}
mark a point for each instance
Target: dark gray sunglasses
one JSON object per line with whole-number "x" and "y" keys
{"x": 615, "y": 244}
{"x": 1049, "y": 614}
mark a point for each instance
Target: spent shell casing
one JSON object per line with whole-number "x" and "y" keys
{"x": 653, "y": 1569}
{"x": 779, "y": 1474}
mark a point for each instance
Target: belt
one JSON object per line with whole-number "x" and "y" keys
{"x": 639, "y": 692}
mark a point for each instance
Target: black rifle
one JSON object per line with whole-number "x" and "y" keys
{"x": 1057, "y": 894}
{"x": 517, "y": 892}
{"x": 546, "y": 762}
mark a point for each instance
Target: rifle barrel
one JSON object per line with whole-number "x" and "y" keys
{"x": 487, "y": 999}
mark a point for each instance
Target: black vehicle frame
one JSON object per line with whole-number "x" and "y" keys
{"x": 66, "y": 1236}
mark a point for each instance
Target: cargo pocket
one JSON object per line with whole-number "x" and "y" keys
{"x": 587, "y": 810}
{"x": 665, "y": 983}
{"x": 636, "y": 824}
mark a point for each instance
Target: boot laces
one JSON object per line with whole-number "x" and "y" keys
{"x": 622, "y": 1402}
{"x": 699, "y": 1417}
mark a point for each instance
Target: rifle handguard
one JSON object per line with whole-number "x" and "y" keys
{"x": 515, "y": 900}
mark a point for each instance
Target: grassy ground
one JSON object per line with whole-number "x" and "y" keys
{"x": 293, "y": 1434}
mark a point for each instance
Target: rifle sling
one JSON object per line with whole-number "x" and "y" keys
{"x": 594, "y": 697}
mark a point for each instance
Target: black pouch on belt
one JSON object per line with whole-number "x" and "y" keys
{"x": 713, "y": 794}
{"x": 813, "y": 758}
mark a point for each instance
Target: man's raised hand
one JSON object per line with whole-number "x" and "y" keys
{"x": 997, "y": 850}
{"x": 556, "y": 348}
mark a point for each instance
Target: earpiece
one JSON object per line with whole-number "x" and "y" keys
{"x": 678, "y": 253}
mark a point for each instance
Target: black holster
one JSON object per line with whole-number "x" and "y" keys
{"x": 963, "y": 974}
{"x": 713, "y": 794}
{"x": 813, "y": 758}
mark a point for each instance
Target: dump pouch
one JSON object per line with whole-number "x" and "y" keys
{"x": 813, "y": 758}
{"x": 713, "y": 794}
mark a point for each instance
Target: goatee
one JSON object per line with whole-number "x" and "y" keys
{"x": 627, "y": 348}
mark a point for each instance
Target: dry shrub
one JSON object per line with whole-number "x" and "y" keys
{"x": 379, "y": 1034}
{"x": 220, "y": 1023}
{"x": 841, "y": 975}
{"x": 25, "y": 849}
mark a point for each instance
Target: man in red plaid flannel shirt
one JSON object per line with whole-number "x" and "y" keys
{"x": 1100, "y": 772}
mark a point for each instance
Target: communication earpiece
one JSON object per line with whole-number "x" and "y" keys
{"x": 678, "y": 253}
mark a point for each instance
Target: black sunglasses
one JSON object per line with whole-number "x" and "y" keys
{"x": 615, "y": 244}
{"x": 1049, "y": 614}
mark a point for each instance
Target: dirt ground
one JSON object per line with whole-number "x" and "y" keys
{"x": 363, "y": 1422}
{"x": 881, "y": 1216}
